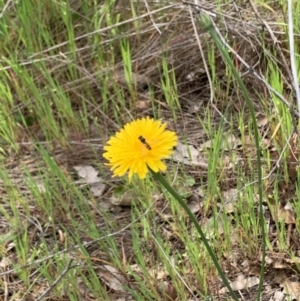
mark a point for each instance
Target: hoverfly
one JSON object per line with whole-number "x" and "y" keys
{"x": 143, "y": 140}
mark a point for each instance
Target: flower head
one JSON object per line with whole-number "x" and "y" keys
{"x": 138, "y": 146}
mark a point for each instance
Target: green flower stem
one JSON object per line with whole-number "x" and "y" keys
{"x": 206, "y": 24}
{"x": 183, "y": 204}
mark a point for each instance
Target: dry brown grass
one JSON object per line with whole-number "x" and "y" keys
{"x": 166, "y": 32}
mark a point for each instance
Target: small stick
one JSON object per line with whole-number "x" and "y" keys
{"x": 54, "y": 283}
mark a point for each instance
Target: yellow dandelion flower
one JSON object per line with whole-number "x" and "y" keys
{"x": 140, "y": 145}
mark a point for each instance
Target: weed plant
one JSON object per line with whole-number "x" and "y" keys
{"x": 71, "y": 74}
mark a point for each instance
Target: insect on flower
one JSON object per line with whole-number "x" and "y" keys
{"x": 143, "y": 140}
{"x": 125, "y": 154}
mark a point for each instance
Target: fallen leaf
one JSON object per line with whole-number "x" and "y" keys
{"x": 90, "y": 176}
{"x": 230, "y": 198}
{"x": 195, "y": 206}
{"x": 41, "y": 187}
{"x": 241, "y": 283}
{"x": 189, "y": 155}
{"x": 98, "y": 188}
{"x": 278, "y": 296}
{"x": 280, "y": 213}
{"x": 88, "y": 173}
{"x": 215, "y": 222}
{"x": 262, "y": 121}
{"x": 278, "y": 264}
{"x": 293, "y": 260}
{"x": 199, "y": 191}
{"x": 228, "y": 142}
{"x": 125, "y": 199}
{"x": 279, "y": 277}
{"x": 143, "y": 104}
{"x": 112, "y": 277}
{"x": 158, "y": 272}
{"x": 292, "y": 289}
{"x": 168, "y": 291}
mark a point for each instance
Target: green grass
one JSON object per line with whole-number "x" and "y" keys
{"x": 72, "y": 74}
